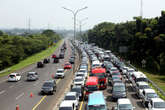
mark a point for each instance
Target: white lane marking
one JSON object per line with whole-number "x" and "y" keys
{"x": 19, "y": 96}
{"x": 11, "y": 86}
{"x": 2, "y": 92}
{"x": 35, "y": 84}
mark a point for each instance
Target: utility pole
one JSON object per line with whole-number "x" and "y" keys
{"x": 29, "y": 25}
{"x": 141, "y": 8}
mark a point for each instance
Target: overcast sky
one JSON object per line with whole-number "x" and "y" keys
{"x": 15, "y": 13}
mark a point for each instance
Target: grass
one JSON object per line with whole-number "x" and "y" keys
{"x": 31, "y": 60}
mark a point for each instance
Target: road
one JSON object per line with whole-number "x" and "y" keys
{"x": 18, "y": 93}
{"x": 108, "y": 97}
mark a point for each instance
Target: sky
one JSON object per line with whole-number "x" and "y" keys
{"x": 45, "y": 14}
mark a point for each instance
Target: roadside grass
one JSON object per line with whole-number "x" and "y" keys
{"x": 32, "y": 59}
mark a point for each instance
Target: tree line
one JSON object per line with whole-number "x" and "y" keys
{"x": 13, "y": 49}
{"x": 141, "y": 39}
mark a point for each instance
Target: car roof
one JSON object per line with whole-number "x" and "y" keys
{"x": 60, "y": 69}
{"x": 157, "y": 100}
{"x": 13, "y": 73}
{"x": 78, "y": 77}
{"x": 71, "y": 94}
{"x": 124, "y": 101}
{"x": 49, "y": 81}
{"x": 119, "y": 84}
{"x": 98, "y": 98}
{"x": 149, "y": 90}
{"x": 142, "y": 83}
{"x": 66, "y": 103}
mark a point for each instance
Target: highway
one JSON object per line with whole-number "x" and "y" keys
{"x": 18, "y": 93}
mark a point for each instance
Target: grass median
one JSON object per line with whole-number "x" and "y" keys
{"x": 31, "y": 60}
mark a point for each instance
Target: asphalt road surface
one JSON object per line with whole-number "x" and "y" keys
{"x": 18, "y": 93}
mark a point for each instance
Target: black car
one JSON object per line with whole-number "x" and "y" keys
{"x": 46, "y": 60}
{"x": 79, "y": 90}
{"x": 71, "y": 60}
{"x": 49, "y": 87}
{"x": 61, "y": 55}
{"x": 56, "y": 60}
{"x": 40, "y": 64}
{"x": 118, "y": 91}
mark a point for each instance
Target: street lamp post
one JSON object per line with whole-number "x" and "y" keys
{"x": 74, "y": 16}
{"x": 80, "y": 23}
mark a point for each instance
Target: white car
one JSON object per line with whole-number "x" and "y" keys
{"x": 140, "y": 86}
{"x": 79, "y": 81}
{"x": 73, "y": 98}
{"x": 67, "y": 105}
{"x": 60, "y": 73}
{"x": 14, "y": 77}
{"x": 84, "y": 71}
{"x": 156, "y": 104}
{"x": 124, "y": 104}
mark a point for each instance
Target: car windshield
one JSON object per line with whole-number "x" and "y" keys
{"x": 60, "y": 71}
{"x": 70, "y": 98}
{"x": 67, "y": 64}
{"x": 65, "y": 108}
{"x": 82, "y": 71}
{"x": 125, "y": 107}
{"x": 152, "y": 95}
{"x": 115, "y": 73}
{"x": 76, "y": 90}
{"x": 159, "y": 105}
{"x": 114, "y": 69}
{"x": 113, "y": 78}
{"x": 118, "y": 88}
{"x": 144, "y": 87}
{"x": 80, "y": 75}
{"x": 100, "y": 75}
{"x": 11, "y": 76}
{"x": 48, "y": 84}
{"x": 141, "y": 79}
{"x": 78, "y": 80}
{"x": 97, "y": 107}
{"x": 91, "y": 88}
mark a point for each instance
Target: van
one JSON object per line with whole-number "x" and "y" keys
{"x": 96, "y": 101}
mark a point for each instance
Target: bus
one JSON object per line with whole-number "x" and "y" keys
{"x": 96, "y": 101}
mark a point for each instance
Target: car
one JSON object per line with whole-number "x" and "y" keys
{"x": 71, "y": 60}
{"x": 79, "y": 81}
{"x": 40, "y": 64}
{"x": 72, "y": 97}
{"x": 67, "y": 105}
{"x": 124, "y": 104}
{"x": 156, "y": 104}
{"x": 49, "y": 87}
{"x": 14, "y": 77}
{"x": 60, "y": 73}
{"x": 56, "y": 60}
{"x": 112, "y": 80}
{"x": 148, "y": 94}
{"x": 67, "y": 66}
{"x": 118, "y": 91}
{"x": 79, "y": 90}
{"x": 140, "y": 86}
{"x": 46, "y": 60}
{"x": 61, "y": 56}
{"x": 32, "y": 76}
{"x": 118, "y": 74}
{"x": 54, "y": 56}
{"x": 84, "y": 71}
{"x": 113, "y": 69}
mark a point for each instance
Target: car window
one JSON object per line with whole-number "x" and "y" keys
{"x": 11, "y": 76}
{"x": 119, "y": 88}
{"x": 159, "y": 105}
{"x": 70, "y": 98}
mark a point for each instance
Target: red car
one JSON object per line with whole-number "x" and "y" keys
{"x": 67, "y": 66}
{"x": 53, "y": 56}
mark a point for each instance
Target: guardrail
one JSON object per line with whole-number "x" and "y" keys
{"x": 6, "y": 70}
{"x": 150, "y": 81}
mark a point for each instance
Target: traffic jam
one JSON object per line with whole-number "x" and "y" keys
{"x": 104, "y": 82}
